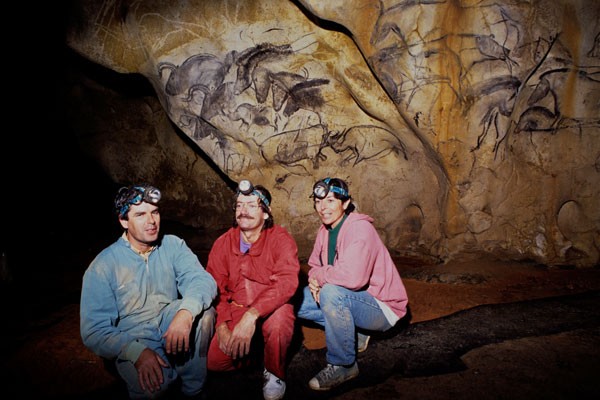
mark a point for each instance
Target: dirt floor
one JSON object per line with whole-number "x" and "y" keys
{"x": 46, "y": 359}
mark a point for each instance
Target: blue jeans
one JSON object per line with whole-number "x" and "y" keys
{"x": 340, "y": 311}
{"x": 191, "y": 367}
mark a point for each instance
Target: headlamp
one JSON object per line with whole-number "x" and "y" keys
{"x": 135, "y": 196}
{"x": 322, "y": 189}
{"x": 246, "y": 187}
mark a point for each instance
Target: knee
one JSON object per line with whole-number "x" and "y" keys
{"x": 329, "y": 294}
{"x": 284, "y": 315}
{"x": 282, "y": 320}
{"x": 219, "y": 364}
{"x": 205, "y": 330}
{"x": 216, "y": 359}
{"x": 207, "y": 320}
{"x": 306, "y": 292}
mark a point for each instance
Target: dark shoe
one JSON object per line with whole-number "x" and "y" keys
{"x": 332, "y": 376}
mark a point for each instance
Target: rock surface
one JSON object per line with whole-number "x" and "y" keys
{"x": 462, "y": 127}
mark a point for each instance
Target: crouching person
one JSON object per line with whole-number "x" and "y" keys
{"x": 255, "y": 264}
{"x": 354, "y": 287}
{"x": 146, "y": 303}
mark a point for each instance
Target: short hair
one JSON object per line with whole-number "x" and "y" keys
{"x": 270, "y": 221}
{"x": 134, "y": 194}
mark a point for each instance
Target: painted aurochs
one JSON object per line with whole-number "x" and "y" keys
{"x": 463, "y": 127}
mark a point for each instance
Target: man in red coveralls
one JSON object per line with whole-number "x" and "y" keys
{"x": 255, "y": 264}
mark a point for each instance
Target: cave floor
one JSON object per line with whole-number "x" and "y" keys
{"x": 44, "y": 356}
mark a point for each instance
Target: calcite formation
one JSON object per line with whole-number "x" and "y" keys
{"x": 463, "y": 127}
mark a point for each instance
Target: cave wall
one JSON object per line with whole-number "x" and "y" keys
{"x": 464, "y": 128}
{"x": 121, "y": 125}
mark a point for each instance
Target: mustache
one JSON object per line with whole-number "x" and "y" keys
{"x": 246, "y": 216}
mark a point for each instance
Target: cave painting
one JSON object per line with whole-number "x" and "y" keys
{"x": 200, "y": 82}
{"x": 482, "y": 115}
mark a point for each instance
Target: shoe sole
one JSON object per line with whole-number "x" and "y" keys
{"x": 274, "y": 398}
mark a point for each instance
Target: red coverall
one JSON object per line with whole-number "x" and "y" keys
{"x": 266, "y": 278}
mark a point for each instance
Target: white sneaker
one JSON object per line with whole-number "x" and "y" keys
{"x": 362, "y": 342}
{"x": 273, "y": 388}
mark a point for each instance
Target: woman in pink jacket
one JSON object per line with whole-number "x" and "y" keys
{"x": 353, "y": 283}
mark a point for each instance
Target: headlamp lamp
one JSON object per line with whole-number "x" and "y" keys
{"x": 136, "y": 195}
{"x": 246, "y": 187}
{"x": 322, "y": 189}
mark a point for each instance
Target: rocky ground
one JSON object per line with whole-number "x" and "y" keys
{"x": 478, "y": 330}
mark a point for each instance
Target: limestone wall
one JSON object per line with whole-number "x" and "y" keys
{"x": 462, "y": 127}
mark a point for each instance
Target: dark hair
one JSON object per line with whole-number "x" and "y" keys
{"x": 269, "y": 221}
{"x": 134, "y": 194}
{"x": 340, "y": 183}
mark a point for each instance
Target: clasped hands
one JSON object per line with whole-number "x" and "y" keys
{"x": 236, "y": 342}
{"x": 315, "y": 289}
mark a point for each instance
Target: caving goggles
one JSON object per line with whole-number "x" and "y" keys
{"x": 322, "y": 188}
{"x": 135, "y": 195}
{"x": 246, "y": 187}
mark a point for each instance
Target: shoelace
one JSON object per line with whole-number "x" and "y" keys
{"x": 329, "y": 371}
{"x": 267, "y": 380}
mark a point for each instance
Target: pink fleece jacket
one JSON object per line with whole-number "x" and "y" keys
{"x": 362, "y": 261}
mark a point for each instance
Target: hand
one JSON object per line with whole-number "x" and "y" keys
{"x": 149, "y": 368}
{"x": 238, "y": 344}
{"x": 223, "y": 335}
{"x": 315, "y": 289}
{"x": 177, "y": 336}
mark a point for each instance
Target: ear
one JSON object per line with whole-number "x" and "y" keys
{"x": 265, "y": 215}
{"x": 124, "y": 223}
{"x": 346, "y": 204}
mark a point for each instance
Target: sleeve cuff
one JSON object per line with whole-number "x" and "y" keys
{"x": 192, "y": 306}
{"x": 133, "y": 351}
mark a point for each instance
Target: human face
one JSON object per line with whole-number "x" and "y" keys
{"x": 249, "y": 215}
{"x": 142, "y": 226}
{"x": 330, "y": 209}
